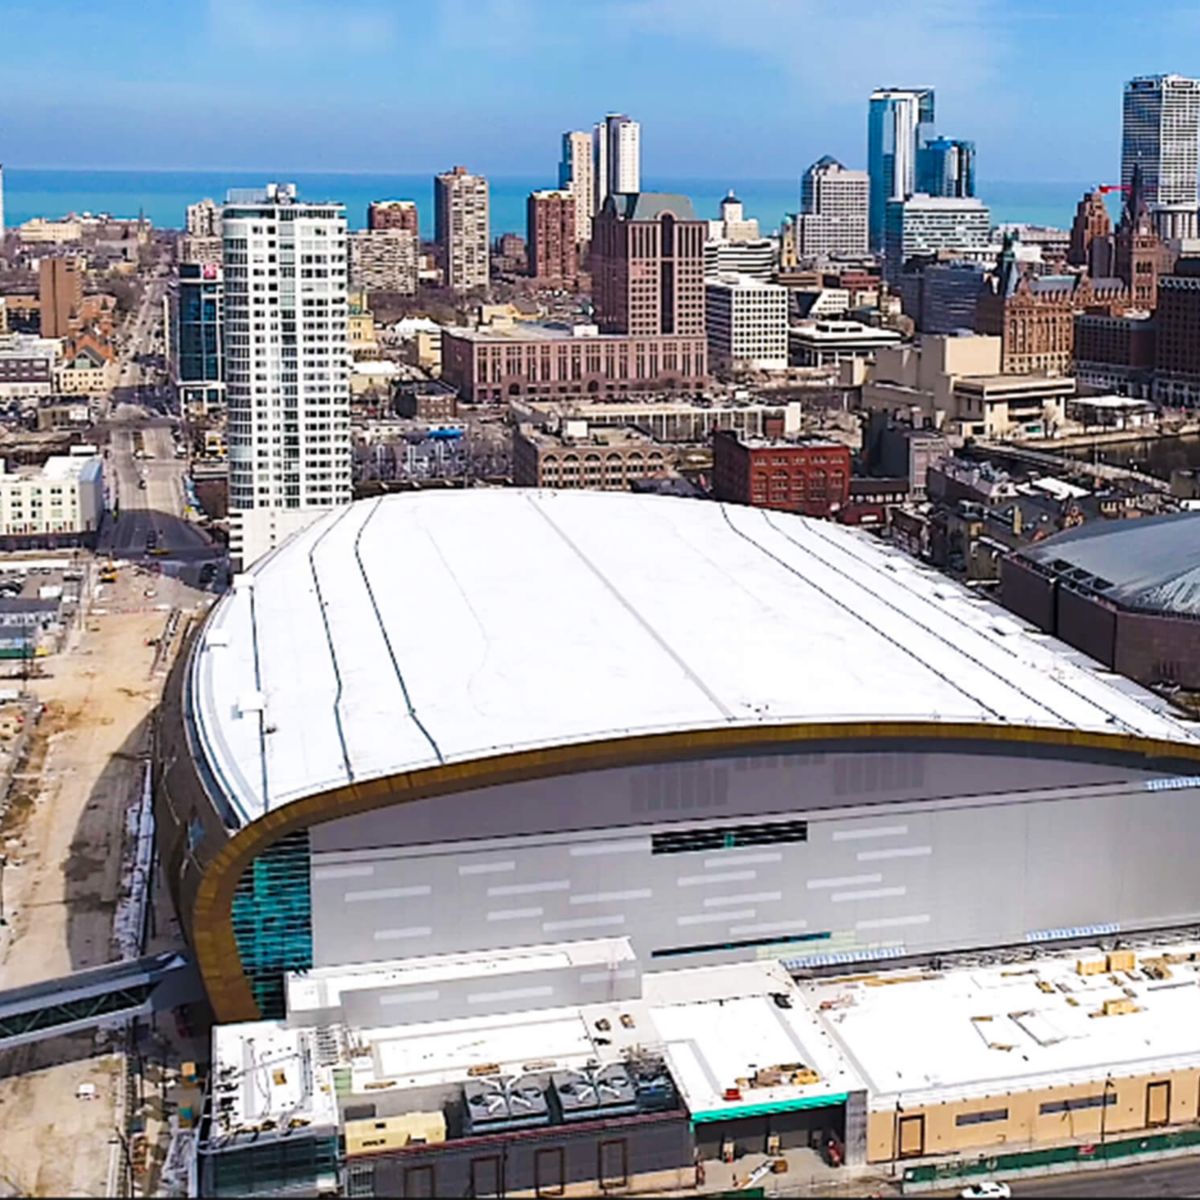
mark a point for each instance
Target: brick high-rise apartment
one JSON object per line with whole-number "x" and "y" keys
{"x": 648, "y": 265}
{"x": 551, "y": 239}
{"x": 394, "y": 214}
{"x": 60, "y": 293}
{"x": 461, "y": 228}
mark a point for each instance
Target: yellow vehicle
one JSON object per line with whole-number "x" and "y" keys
{"x": 158, "y": 551}
{"x": 108, "y": 574}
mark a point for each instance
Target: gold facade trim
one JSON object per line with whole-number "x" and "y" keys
{"x": 212, "y": 926}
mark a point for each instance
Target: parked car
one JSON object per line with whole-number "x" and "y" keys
{"x": 987, "y": 1189}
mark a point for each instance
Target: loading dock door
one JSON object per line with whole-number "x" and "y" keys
{"x": 1158, "y": 1103}
{"x": 911, "y": 1136}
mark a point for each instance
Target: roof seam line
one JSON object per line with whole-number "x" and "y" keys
{"x": 833, "y": 600}
{"x": 1109, "y": 715}
{"x": 387, "y": 641}
{"x": 641, "y": 621}
{"x": 333, "y": 658}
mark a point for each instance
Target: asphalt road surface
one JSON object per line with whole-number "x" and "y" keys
{"x": 1172, "y": 1177}
{"x": 156, "y": 508}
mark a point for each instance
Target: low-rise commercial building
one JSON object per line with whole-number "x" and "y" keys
{"x": 1177, "y": 346}
{"x": 497, "y": 363}
{"x": 1008, "y": 406}
{"x": 955, "y": 383}
{"x": 747, "y": 323}
{"x": 58, "y": 504}
{"x": 579, "y": 456}
{"x": 426, "y": 400}
{"x": 809, "y": 475}
{"x": 1115, "y": 352}
{"x": 28, "y": 366}
{"x": 686, "y": 421}
{"x": 756, "y": 257}
{"x": 825, "y": 343}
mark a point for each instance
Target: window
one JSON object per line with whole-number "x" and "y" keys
{"x": 548, "y": 1172}
{"x": 728, "y": 837}
{"x": 614, "y": 1164}
{"x": 485, "y": 1176}
{"x": 1073, "y": 1105}
{"x": 984, "y": 1117}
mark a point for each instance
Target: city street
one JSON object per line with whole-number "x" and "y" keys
{"x": 157, "y": 508}
{"x": 1173, "y": 1177}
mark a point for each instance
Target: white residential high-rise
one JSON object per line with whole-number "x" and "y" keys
{"x": 616, "y": 157}
{"x": 836, "y": 203}
{"x": 575, "y": 175}
{"x": 460, "y": 217}
{"x": 1160, "y": 131}
{"x": 899, "y": 122}
{"x": 286, "y": 364}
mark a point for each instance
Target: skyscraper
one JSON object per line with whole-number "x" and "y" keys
{"x": 575, "y": 173}
{"x": 616, "y": 157}
{"x": 1159, "y": 130}
{"x": 835, "y": 203}
{"x": 648, "y": 265}
{"x": 946, "y": 167}
{"x": 550, "y": 236}
{"x": 286, "y": 364}
{"x": 461, "y": 228}
{"x": 899, "y": 121}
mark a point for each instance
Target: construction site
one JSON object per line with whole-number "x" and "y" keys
{"x": 75, "y": 740}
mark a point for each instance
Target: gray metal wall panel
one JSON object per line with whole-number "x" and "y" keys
{"x": 922, "y": 877}
{"x": 746, "y": 786}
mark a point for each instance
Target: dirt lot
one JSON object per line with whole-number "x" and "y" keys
{"x": 54, "y": 1144}
{"x": 64, "y": 825}
{"x": 63, "y": 834}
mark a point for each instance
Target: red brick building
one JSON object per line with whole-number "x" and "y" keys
{"x": 807, "y": 475}
{"x": 394, "y": 214}
{"x": 550, "y": 237}
{"x": 1035, "y": 316}
{"x": 1092, "y": 223}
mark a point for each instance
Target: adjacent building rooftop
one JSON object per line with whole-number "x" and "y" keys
{"x": 1152, "y": 563}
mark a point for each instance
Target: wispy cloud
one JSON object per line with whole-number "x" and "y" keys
{"x": 307, "y": 27}
{"x": 841, "y": 49}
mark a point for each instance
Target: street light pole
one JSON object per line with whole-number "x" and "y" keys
{"x": 3, "y": 864}
{"x": 1108, "y": 1083}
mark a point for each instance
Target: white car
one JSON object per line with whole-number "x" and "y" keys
{"x": 989, "y": 1189}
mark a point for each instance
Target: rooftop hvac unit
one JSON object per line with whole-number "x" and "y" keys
{"x": 600, "y": 1092}
{"x": 652, "y": 1083}
{"x": 497, "y": 1103}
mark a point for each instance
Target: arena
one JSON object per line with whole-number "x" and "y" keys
{"x": 435, "y": 731}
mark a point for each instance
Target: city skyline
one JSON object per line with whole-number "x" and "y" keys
{"x": 663, "y": 61}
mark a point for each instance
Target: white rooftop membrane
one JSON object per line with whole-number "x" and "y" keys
{"x": 512, "y": 619}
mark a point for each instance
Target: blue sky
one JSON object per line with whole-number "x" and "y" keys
{"x": 745, "y": 88}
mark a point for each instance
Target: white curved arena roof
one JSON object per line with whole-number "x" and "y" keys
{"x": 398, "y": 633}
